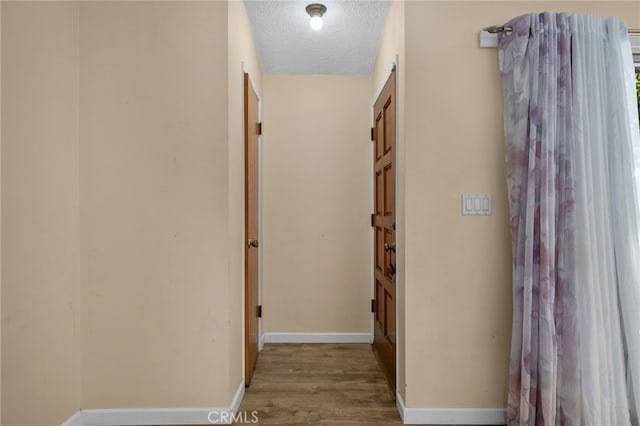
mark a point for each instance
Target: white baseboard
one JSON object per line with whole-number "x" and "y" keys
{"x": 75, "y": 420}
{"x": 400, "y": 406}
{"x": 450, "y": 416}
{"x": 153, "y": 416}
{"x": 237, "y": 398}
{"x": 261, "y": 343}
{"x": 158, "y": 416}
{"x": 317, "y": 338}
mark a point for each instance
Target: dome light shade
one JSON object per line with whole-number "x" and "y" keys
{"x": 315, "y": 11}
{"x": 316, "y": 23}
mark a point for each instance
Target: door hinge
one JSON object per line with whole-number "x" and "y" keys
{"x": 259, "y": 311}
{"x": 259, "y": 128}
{"x": 373, "y": 219}
{"x": 373, "y": 305}
{"x": 372, "y": 133}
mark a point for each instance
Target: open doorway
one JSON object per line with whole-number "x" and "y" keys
{"x": 319, "y": 258}
{"x": 318, "y": 279}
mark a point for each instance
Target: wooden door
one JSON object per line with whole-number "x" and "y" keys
{"x": 384, "y": 138}
{"x": 251, "y": 308}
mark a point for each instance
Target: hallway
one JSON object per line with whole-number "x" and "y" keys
{"x": 319, "y": 384}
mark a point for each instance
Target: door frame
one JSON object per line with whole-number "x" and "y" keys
{"x": 399, "y": 219}
{"x": 244, "y": 70}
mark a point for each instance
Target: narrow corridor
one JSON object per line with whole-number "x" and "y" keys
{"x": 319, "y": 384}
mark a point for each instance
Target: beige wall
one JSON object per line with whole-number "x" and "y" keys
{"x": 154, "y": 204}
{"x": 458, "y": 273}
{"x": 241, "y": 50}
{"x": 317, "y": 200}
{"x": 40, "y": 243}
{"x": 392, "y": 48}
{"x": 144, "y": 87}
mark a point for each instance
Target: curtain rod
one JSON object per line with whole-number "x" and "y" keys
{"x": 495, "y": 29}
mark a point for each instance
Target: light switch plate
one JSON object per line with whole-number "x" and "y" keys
{"x": 476, "y": 204}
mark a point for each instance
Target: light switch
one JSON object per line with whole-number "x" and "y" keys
{"x": 476, "y": 204}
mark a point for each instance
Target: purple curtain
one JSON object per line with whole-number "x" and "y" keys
{"x": 572, "y": 145}
{"x": 535, "y": 62}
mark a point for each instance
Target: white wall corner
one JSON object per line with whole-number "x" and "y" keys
{"x": 159, "y": 416}
{"x": 317, "y": 337}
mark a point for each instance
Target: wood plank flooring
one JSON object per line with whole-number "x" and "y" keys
{"x": 319, "y": 384}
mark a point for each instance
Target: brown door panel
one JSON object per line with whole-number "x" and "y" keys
{"x": 384, "y": 340}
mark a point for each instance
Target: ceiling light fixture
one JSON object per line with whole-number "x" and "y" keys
{"x": 315, "y": 11}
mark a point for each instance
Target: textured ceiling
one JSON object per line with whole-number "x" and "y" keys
{"x": 347, "y": 43}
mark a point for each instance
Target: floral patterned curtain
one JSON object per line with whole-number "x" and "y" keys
{"x": 573, "y": 173}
